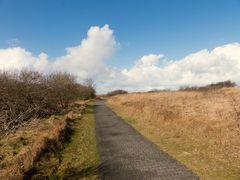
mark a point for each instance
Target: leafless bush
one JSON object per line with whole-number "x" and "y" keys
{"x": 158, "y": 90}
{"x": 31, "y": 94}
{"x": 116, "y": 92}
{"x": 209, "y": 86}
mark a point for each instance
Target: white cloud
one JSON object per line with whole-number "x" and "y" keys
{"x": 88, "y": 59}
{"x": 18, "y": 58}
{"x": 85, "y": 60}
{"x": 200, "y": 68}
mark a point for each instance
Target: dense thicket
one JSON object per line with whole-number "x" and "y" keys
{"x": 212, "y": 86}
{"x": 30, "y": 94}
{"x": 117, "y": 92}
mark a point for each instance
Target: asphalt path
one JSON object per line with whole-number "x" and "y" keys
{"x": 125, "y": 154}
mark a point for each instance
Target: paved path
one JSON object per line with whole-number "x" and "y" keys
{"x": 125, "y": 154}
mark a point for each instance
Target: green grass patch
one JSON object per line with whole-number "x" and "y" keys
{"x": 80, "y": 158}
{"x": 75, "y": 155}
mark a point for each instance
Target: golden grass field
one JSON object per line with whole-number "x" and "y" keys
{"x": 199, "y": 128}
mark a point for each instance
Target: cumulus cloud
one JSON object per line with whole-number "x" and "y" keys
{"x": 200, "y": 68}
{"x": 85, "y": 60}
{"x": 18, "y": 58}
{"x": 88, "y": 60}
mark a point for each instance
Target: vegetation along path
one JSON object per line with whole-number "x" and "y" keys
{"x": 126, "y": 154}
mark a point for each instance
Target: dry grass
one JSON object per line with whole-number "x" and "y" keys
{"x": 20, "y": 150}
{"x": 77, "y": 159}
{"x": 80, "y": 158}
{"x": 200, "y": 129}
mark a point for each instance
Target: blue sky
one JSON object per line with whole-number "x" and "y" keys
{"x": 174, "y": 28}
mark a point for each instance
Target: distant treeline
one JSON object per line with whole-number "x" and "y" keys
{"x": 29, "y": 94}
{"x": 116, "y": 92}
{"x": 212, "y": 86}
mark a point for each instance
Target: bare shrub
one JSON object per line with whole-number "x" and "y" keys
{"x": 117, "y": 92}
{"x": 28, "y": 94}
{"x": 212, "y": 86}
{"x": 89, "y": 84}
{"x": 158, "y": 90}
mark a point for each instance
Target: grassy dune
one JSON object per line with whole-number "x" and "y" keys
{"x": 20, "y": 150}
{"x": 199, "y": 128}
{"x": 78, "y": 158}
{"x": 59, "y": 147}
